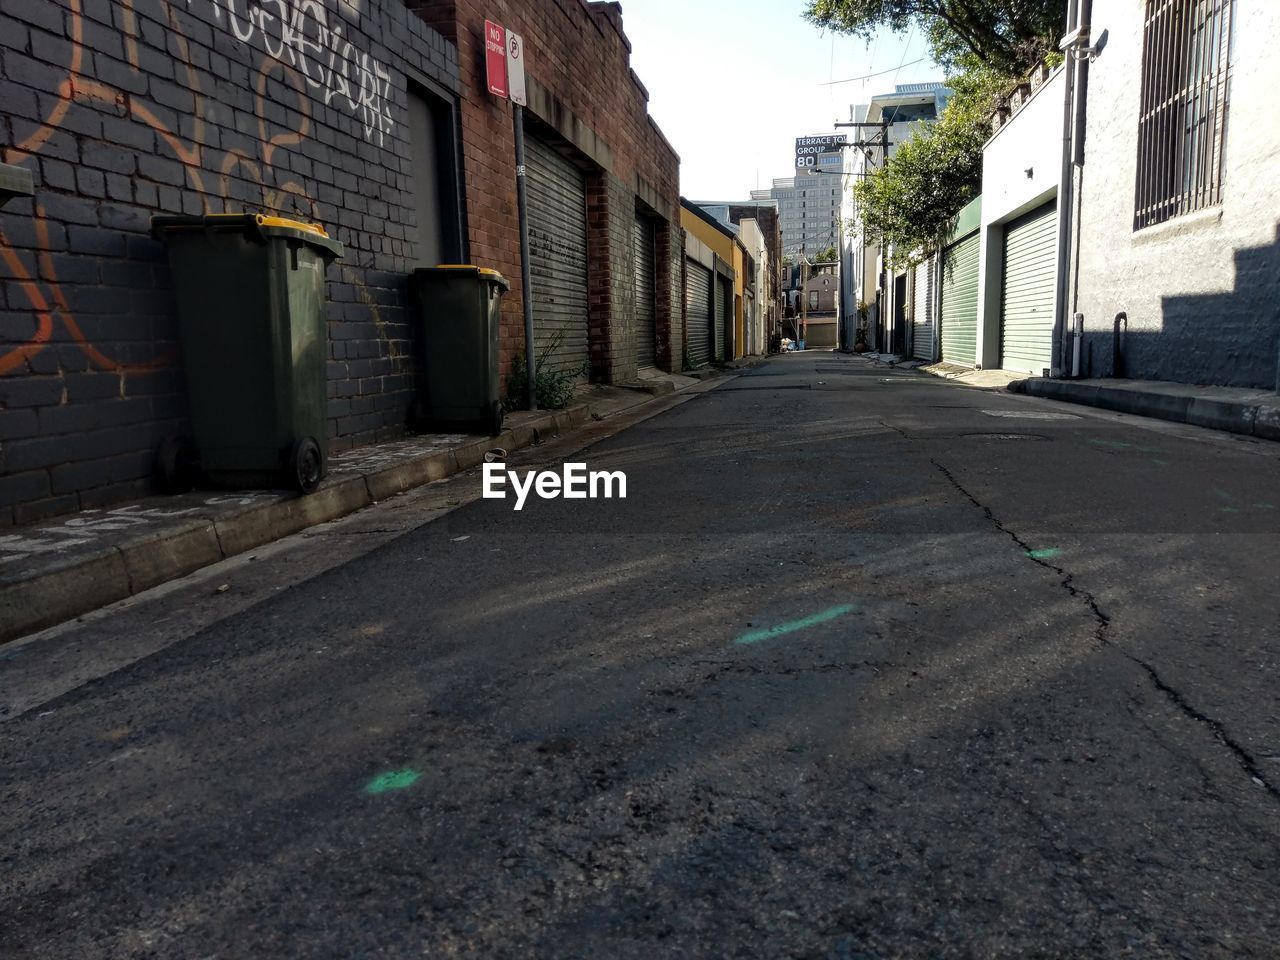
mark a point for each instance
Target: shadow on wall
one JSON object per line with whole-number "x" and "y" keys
{"x": 1227, "y": 339}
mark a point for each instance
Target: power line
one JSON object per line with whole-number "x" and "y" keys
{"x": 880, "y": 73}
{"x": 905, "y": 50}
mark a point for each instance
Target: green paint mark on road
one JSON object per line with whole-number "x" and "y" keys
{"x": 1230, "y": 510}
{"x": 392, "y": 780}
{"x": 1265, "y": 506}
{"x": 1159, "y": 463}
{"x": 755, "y": 636}
{"x": 1048, "y": 553}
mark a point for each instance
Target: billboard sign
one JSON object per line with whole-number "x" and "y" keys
{"x": 821, "y": 154}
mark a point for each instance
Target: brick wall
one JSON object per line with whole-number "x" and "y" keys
{"x": 611, "y": 211}
{"x": 669, "y": 296}
{"x": 122, "y": 110}
{"x": 581, "y": 85}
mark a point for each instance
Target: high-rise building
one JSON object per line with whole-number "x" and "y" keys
{"x": 808, "y": 212}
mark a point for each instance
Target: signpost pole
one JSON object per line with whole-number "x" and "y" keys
{"x": 526, "y": 289}
{"x": 514, "y": 49}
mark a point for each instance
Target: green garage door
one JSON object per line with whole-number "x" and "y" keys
{"x": 960, "y": 302}
{"x": 1026, "y": 302}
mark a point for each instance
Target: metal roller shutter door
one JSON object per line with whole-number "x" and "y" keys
{"x": 645, "y": 300}
{"x": 697, "y": 312}
{"x": 1026, "y": 301}
{"x": 960, "y": 302}
{"x": 557, "y": 256}
{"x": 922, "y": 347}
{"x": 724, "y": 315}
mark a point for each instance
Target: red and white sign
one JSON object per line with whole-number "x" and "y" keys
{"x": 495, "y": 58}
{"x": 515, "y": 69}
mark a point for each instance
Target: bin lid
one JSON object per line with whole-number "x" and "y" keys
{"x": 485, "y": 273}
{"x": 259, "y": 224}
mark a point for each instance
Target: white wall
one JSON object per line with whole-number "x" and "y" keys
{"x": 1202, "y": 290}
{"x": 1021, "y": 169}
{"x": 753, "y": 323}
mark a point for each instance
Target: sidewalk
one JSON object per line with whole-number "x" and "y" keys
{"x": 1252, "y": 412}
{"x": 982, "y": 379}
{"x": 56, "y": 570}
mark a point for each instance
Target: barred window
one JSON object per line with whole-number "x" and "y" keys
{"x": 1186, "y": 73}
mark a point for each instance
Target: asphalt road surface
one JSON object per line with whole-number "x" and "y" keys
{"x": 866, "y": 665}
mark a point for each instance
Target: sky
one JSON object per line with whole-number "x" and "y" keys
{"x": 732, "y": 83}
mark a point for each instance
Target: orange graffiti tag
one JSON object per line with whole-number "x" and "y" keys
{"x": 44, "y": 331}
{"x": 79, "y": 87}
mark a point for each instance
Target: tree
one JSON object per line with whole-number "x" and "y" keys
{"x": 828, "y": 255}
{"x": 909, "y": 203}
{"x": 1008, "y": 36}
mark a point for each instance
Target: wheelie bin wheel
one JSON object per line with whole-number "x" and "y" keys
{"x": 175, "y": 465}
{"x": 305, "y": 464}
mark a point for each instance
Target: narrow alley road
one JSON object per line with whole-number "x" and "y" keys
{"x": 916, "y": 671}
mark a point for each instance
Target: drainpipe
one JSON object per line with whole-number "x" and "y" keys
{"x": 1075, "y": 75}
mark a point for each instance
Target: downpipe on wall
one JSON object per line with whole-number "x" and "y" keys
{"x": 526, "y": 288}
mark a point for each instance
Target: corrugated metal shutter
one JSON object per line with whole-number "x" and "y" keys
{"x": 1026, "y": 302}
{"x": 724, "y": 317}
{"x": 922, "y": 347}
{"x": 960, "y": 301}
{"x": 557, "y": 255}
{"x": 697, "y": 312}
{"x": 645, "y": 300}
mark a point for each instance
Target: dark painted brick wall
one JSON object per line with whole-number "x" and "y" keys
{"x": 124, "y": 110}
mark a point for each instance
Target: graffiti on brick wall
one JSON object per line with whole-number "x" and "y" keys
{"x": 295, "y": 38}
{"x": 297, "y": 32}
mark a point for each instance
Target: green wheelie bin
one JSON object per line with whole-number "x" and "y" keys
{"x": 250, "y": 297}
{"x": 459, "y": 309}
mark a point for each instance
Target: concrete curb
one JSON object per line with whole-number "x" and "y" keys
{"x": 1243, "y": 417}
{"x": 63, "y": 588}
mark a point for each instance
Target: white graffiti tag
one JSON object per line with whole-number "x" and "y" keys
{"x": 298, "y": 33}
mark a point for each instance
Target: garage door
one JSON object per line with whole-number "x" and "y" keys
{"x": 724, "y": 317}
{"x": 697, "y": 312}
{"x": 922, "y": 321}
{"x": 960, "y": 302}
{"x": 645, "y": 300}
{"x": 1026, "y": 302}
{"x": 557, "y": 256}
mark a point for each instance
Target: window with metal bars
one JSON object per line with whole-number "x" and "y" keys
{"x": 1186, "y": 74}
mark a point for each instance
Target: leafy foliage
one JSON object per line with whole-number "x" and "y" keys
{"x": 828, "y": 255}
{"x": 1007, "y": 36}
{"x": 554, "y": 388}
{"x": 909, "y": 204}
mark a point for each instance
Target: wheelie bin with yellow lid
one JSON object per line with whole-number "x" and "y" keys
{"x": 250, "y": 296}
{"x": 459, "y": 310}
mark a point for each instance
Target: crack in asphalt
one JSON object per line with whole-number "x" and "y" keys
{"x": 905, "y": 436}
{"x": 1103, "y": 626}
